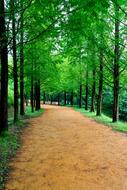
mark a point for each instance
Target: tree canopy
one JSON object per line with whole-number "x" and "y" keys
{"x": 70, "y": 51}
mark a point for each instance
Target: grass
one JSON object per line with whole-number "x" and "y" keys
{"x": 30, "y": 114}
{"x": 119, "y": 126}
{"x": 10, "y": 142}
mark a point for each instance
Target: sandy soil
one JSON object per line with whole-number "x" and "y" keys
{"x": 63, "y": 150}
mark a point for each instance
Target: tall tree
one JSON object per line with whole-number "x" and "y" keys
{"x": 116, "y": 64}
{"x": 4, "y": 70}
{"x": 58, "y": 99}
{"x": 72, "y": 98}
{"x": 44, "y": 98}
{"x": 32, "y": 89}
{"x": 100, "y": 91}
{"x": 65, "y": 97}
{"x": 37, "y": 88}
{"x": 86, "y": 90}
{"x": 15, "y": 67}
{"x": 93, "y": 90}
{"x": 21, "y": 64}
{"x": 80, "y": 96}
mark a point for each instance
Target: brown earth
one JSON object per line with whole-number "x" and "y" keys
{"x": 63, "y": 150}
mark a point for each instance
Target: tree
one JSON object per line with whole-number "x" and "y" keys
{"x": 22, "y": 112}
{"x": 100, "y": 91}
{"x": 15, "y": 67}
{"x": 116, "y": 65}
{"x": 4, "y": 70}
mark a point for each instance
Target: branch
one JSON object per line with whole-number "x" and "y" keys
{"x": 108, "y": 83}
{"x": 117, "y": 19}
{"x": 50, "y": 25}
{"x": 120, "y": 7}
{"x": 122, "y": 70}
{"x": 110, "y": 69}
{"x": 19, "y": 20}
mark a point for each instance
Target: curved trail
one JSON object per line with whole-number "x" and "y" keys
{"x": 63, "y": 150}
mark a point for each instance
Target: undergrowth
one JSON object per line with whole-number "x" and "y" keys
{"x": 10, "y": 142}
{"x": 119, "y": 126}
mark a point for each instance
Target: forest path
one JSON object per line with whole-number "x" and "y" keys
{"x": 63, "y": 150}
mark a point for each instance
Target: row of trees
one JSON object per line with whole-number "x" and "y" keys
{"x": 65, "y": 46}
{"x": 93, "y": 39}
{"x": 16, "y": 22}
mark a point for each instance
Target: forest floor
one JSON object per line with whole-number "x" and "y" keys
{"x": 63, "y": 150}
{"x": 10, "y": 140}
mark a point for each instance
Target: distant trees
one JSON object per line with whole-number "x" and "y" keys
{"x": 103, "y": 27}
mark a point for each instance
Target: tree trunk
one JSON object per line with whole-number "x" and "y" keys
{"x": 116, "y": 67}
{"x": 65, "y": 97}
{"x": 44, "y": 98}
{"x": 15, "y": 69}
{"x": 87, "y": 91}
{"x": 58, "y": 99}
{"x": 51, "y": 99}
{"x": 4, "y": 71}
{"x": 27, "y": 101}
{"x": 21, "y": 69}
{"x": 32, "y": 94}
{"x": 93, "y": 92}
{"x": 37, "y": 95}
{"x": 80, "y": 96}
{"x": 36, "y": 104}
{"x": 32, "y": 88}
{"x": 99, "y": 99}
{"x": 72, "y": 97}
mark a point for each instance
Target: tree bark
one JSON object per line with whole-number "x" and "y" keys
{"x": 32, "y": 89}
{"x": 72, "y": 97}
{"x": 21, "y": 69}
{"x": 37, "y": 87}
{"x": 51, "y": 99}
{"x": 58, "y": 99}
{"x": 39, "y": 95}
{"x": 35, "y": 95}
{"x": 116, "y": 67}
{"x": 4, "y": 71}
{"x": 99, "y": 99}
{"x": 86, "y": 91}
{"x": 36, "y": 103}
{"x": 15, "y": 69}
{"x": 65, "y": 97}
{"x": 32, "y": 94}
{"x": 44, "y": 98}
{"x": 80, "y": 96}
{"x": 93, "y": 92}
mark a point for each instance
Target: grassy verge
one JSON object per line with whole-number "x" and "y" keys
{"x": 119, "y": 126}
{"x": 10, "y": 142}
{"x": 30, "y": 114}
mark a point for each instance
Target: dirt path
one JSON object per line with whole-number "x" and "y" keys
{"x": 63, "y": 150}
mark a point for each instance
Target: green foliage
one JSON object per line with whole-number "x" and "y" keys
{"x": 30, "y": 114}
{"x": 10, "y": 97}
{"x": 9, "y": 143}
{"x": 63, "y": 41}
